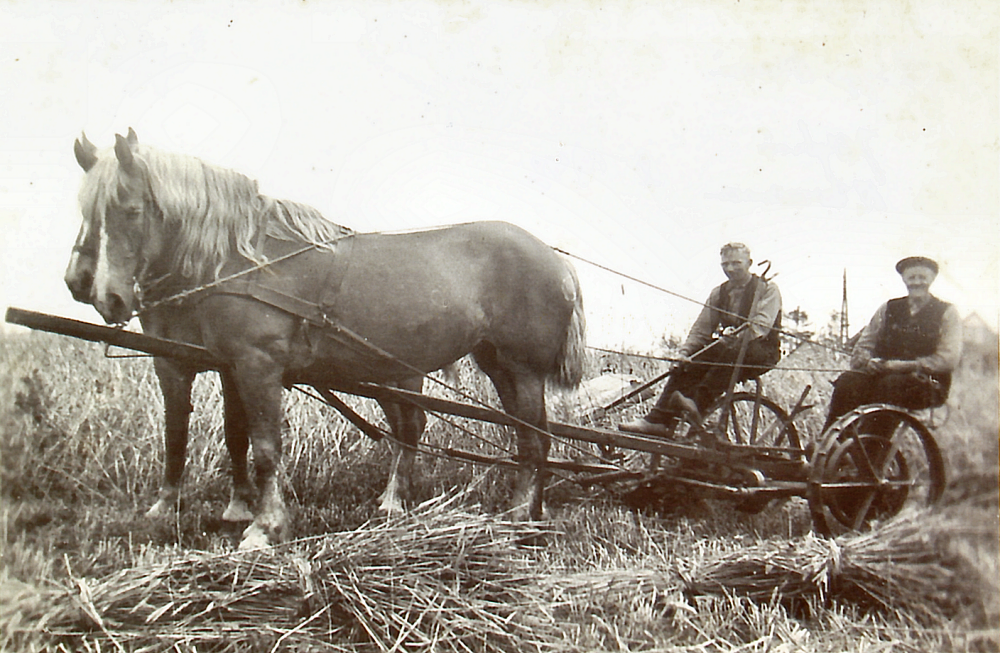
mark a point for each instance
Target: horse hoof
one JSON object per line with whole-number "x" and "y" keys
{"x": 237, "y": 512}
{"x": 391, "y": 505}
{"x": 160, "y": 508}
{"x": 254, "y": 537}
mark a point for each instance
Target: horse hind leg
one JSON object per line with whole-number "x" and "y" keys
{"x": 532, "y": 447}
{"x": 407, "y": 423}
{"x": 522, "y": 393}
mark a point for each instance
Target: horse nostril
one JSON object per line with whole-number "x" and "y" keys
{"x": 80, "y": 286}
{"x": 117, "y": 308}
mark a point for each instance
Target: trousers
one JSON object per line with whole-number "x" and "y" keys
{"x": 907, "y": 390}
{"x": 707, "y": 376}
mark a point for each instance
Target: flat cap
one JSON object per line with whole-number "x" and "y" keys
{"x": 911, "y": 261}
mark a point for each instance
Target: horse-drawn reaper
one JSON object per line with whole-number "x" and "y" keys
{"x": 272, "y": 295}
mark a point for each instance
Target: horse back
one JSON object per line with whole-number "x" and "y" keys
{"x": 451, "y": 288}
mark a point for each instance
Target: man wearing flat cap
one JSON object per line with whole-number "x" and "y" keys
{"x": 906, "y": 354}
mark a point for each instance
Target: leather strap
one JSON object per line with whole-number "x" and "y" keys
{"x": 317, "y": 314}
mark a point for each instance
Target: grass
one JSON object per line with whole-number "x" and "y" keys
{"x": 80, "y": 462}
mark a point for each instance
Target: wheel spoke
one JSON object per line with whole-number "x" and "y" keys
{"x": 856, "y": 436}
{"x": 734, "y": 420}
{"x": 891, "y": 455}
{"x": 862, "y": 513}
{"x": 755, "y": 421}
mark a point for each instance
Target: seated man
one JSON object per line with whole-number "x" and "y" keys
{"x": 744, "y": 302}
{"x": 906, "y": 354}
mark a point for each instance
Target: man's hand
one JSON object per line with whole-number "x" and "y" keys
{"x": 730, "y": 343}
{"x": 901, "y": 366}
{"x": 730, "y": 339}
{"x": 881, "y": 365}
{"x": 876, "y": 365}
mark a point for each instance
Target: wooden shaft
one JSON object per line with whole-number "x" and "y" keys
{"x": 118, "y": 337}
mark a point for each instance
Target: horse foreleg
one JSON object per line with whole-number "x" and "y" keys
{"x": 259, "y": 388}
{"x": 407, "y": 423}
{"x": 237, "y": 442}
{"x": 175, "y": 386}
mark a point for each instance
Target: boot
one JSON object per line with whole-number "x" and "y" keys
{"x": 645, "y": 427}
{"x": 685, "y": 406}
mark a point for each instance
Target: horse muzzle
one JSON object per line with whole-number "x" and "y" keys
{"x": 116, "y": 307}
{"x": 80, "y": 286}
{"x": 79, "y": 277}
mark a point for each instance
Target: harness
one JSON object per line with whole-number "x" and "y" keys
{"x": 251, "y": 283}
{"x": 318, "y": 313}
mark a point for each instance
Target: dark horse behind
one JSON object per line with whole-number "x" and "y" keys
{"x": 282, "y": 296}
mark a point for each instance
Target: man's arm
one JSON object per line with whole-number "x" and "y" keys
{"x": 949, "y": 350}
{"x": 864, "y": 348}
{"x": 768, "y": 307}
{"x": 703, "y": 327}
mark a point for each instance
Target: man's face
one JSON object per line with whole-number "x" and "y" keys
{"x": 918, "y": 280}
{"x": 736, "y": 265}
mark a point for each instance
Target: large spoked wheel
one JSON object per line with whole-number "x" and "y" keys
{"x": 754, "y": 421}
{"x": 872, "y": 463}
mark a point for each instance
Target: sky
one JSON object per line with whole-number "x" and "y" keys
{"x": 641, "y": 136}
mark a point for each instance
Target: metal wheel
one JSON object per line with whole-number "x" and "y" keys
{"x": 872, "y": 463}
{"x": 750, "y": 420}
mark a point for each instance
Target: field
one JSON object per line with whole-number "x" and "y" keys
{"x": 83, "y": 570}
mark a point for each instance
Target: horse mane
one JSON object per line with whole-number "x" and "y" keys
{"x": 213, "y": 211}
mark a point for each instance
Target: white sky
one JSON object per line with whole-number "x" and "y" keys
{"x": 641, "y": 135}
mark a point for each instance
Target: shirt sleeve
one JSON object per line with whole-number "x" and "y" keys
{"x": 864, "y": 348}
{"x": 949, "y": 350}
{"x": 768, "y": 307}
{"x": 703, "y": 327}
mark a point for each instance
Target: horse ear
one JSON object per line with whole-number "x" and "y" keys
{"x": 124, "y": 153}
{"x": 86, "y": 152}
{"x": 132, "y": 139}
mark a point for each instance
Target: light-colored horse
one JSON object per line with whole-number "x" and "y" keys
{"x": 378, "y": 308}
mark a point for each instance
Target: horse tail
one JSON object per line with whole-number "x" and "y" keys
{"x": 569, "y": 362}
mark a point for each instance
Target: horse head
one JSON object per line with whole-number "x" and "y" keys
{"x": 120, "y": 233}
{"x": 79, "y": 275}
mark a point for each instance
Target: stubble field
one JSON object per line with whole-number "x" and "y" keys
{"x": 83, "y": 570}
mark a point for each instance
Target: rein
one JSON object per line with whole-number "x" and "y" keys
{"x": 186, "y": 294}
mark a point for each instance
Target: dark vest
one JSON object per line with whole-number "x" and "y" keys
{"x": 906, "y": 337}
{"x": 746, "y": 303}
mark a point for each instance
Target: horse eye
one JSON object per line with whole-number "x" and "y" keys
{"x": 131, "y": 212}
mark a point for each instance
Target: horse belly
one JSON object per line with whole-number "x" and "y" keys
{"x": 397, "y": 339}
{"x": 419, "y": 304}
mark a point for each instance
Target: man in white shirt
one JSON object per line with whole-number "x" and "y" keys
{"x": 745, "y": 301}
